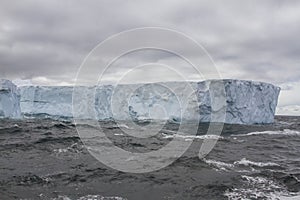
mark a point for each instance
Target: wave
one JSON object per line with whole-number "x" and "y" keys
{"x": 287, "y": 132}
{"x": 260, "y": 188}
{"x": 219, "y": 165}
{"x": 88, "y": 197}
{"x": 202, "y": 137}
{"x": 118, "y": 134}
{"x": 74, "y": 148}
{"x": 121, "y": 126}
{"x": 246, "y": 162}
{"x": 291, "y": 196}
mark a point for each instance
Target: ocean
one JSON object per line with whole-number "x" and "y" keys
{"x": 46, "y": 159}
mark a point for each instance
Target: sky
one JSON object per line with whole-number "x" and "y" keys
{"x": 46, "y": 41}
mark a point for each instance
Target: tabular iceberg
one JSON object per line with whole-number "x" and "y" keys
{"x": 9, "y": 100}
{"x": 246, "y": 102}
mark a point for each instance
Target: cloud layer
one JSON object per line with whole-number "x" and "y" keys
{"x": 46, "y": 41}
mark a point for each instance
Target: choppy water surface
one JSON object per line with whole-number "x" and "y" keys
{"x": 45, "y": 159}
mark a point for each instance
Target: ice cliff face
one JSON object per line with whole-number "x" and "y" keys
{"x": 246, "y": 102}
{"x": 9, "y": 100}
{"x": 51, "y": 101}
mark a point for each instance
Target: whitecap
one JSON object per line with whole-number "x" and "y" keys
{"x": 218, "y": 164}
{"x": 234, "y": 166}
{"x": 90, "y": 197}
{"x": 246, "y": 162}
{"x": 260, "y": 188}
{"x": 186, "y": 137}
{"x": 60, "y": 150}
{"x": 289, "y": 196}
{"x": 74, "y": 148}
{"x": 122, "y": 126}
{"x": 118, "y": 134}
{"x": 284, "y": 132}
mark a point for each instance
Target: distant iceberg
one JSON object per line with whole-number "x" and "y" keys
{"x": 247, "y": 102}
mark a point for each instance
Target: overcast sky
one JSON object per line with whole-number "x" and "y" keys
{"x": 46, "y": 41}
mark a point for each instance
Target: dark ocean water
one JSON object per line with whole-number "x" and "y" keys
{"x": 45, "y": 159}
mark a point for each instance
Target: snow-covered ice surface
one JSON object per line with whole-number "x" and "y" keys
{"x": 247, "y": 102}
{"x": 9, "y": 100}
{"x": 19, "y": 82}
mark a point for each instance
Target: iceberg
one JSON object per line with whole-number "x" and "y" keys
{"x": 9, "y": 100}
{"x": 46, "y": 101}
{"x": 246, "y": 102}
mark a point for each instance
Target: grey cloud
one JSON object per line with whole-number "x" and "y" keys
{"x": 256, "y": 40}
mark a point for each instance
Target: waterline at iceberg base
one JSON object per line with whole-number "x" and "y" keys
{"x": 247, "y": 102}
